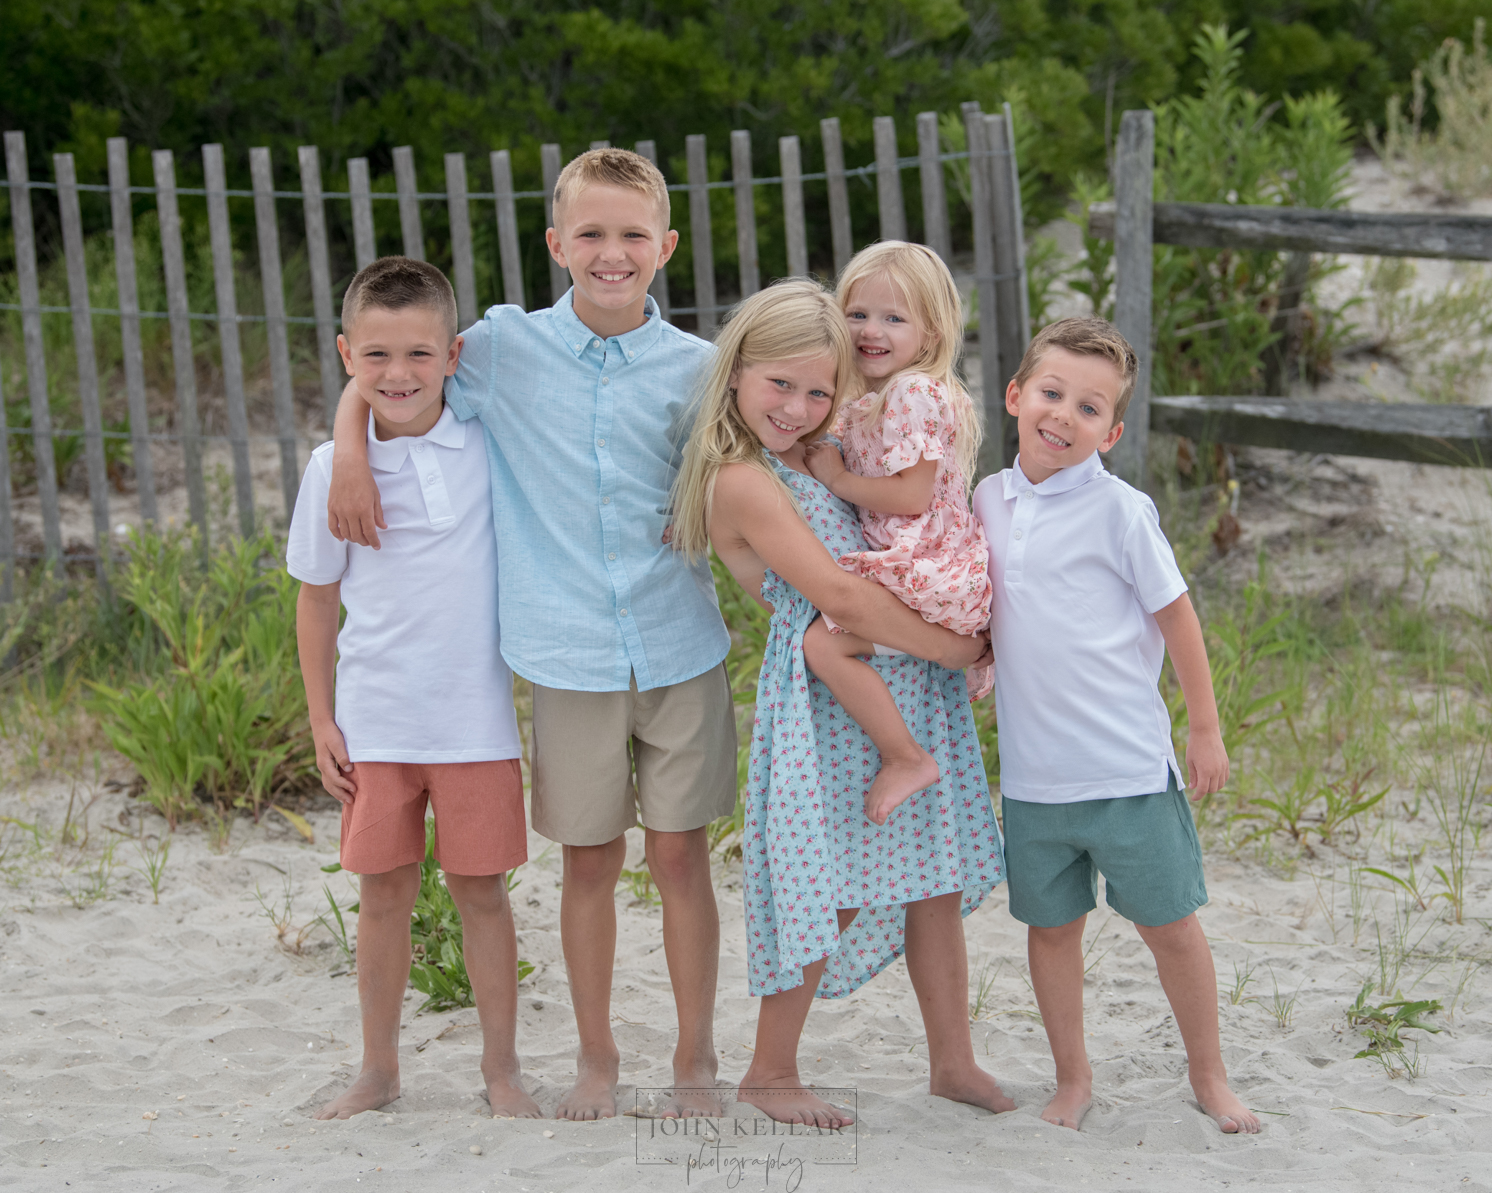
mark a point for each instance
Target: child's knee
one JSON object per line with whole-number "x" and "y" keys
{"x": 1056, "y": 937}
{"x": 818, "y": 641}
{"x": 594, "y": 865}
{"x": 1178, "y": 934}
{"x": 479, "y": 894}
{"x": 392, "y": 892}
{"x": 676, "y": 857}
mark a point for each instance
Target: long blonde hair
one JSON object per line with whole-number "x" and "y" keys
{"x": 923, "y": 280}
{"x": 789, "y": 320}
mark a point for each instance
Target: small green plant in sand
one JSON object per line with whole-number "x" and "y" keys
{"x": 91, "y": 882}
{"x": 640, "y": 883}
{"x": 280, "y": 914}
{"x": 1281, "y": 1006}
{"x": 1243, "y": 976}
{"x": 984, "y": 988}
{"x": 337, "y": 925}
{"x": 153, "y": 860}
{"x": 1382, "y": 1025}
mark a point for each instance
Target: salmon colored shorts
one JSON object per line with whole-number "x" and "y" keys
{"x": 478, "y": 806}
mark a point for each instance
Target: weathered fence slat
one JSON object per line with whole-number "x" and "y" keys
{"x": 700, "y": 246}
{"x": 507, "y": 227}
{"x": 364, "y": 240}
{"x": 600, "y": 144}
{"x": 82, "y": 317}
{"x": 659, "y": 287}
{"x": 992, "y": 452}
{"x": 129, "y": 325}
{"x": 1459, "y": 435}
{"x": 1010, "y": 284}
{"x": 317, "y": 252}
{"x": 1134, "y": 188}
{"x": 221, "y": 234}
{"x": 1309, "y": 229}
{"x": 409, "y": 202}
{"x": 888, "y": 180}
{"x": 935, "y": 232}
{"x": 183, "y": 362}
{"x": 7, "y": 526}
{"x": 268, "y": 230}
{"x": 839, "y": 195}
{"x": 740, "y": 170}
{"x": 559, "y": 276}
{"x": 462, "y": 264}
{"x": 790, "y": 152}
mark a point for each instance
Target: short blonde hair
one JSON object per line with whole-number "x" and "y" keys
{"x": 789, "y": 320}
{"x": 1085, "y": 337}
{"x": 611, "y": 167}
{"x": 395, "y": 283}
{"x": 920, "y": 276}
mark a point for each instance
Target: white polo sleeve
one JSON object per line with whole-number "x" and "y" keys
{"x": 312, "y": 554}
{"x": 1149, "y": 564}
{"x": 469, "y": 389}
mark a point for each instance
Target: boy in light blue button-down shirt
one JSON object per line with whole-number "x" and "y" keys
{"x": 585, "y": 410}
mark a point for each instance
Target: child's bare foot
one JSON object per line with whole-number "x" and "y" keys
{"x": 508, "y": 1098}
{"x": 373, "y": 1089}
{"x": 593, "y": 1095}
{"x": 1067, "y": 1107}
{"x": 1221, "y": 1105}
{"x": 973, "y": 1086}
{"x": 898, "y": 781}
{"x": 785, "y": 1100}
{"x": 980, "y": 681}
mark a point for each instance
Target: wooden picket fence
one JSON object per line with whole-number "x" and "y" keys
{"x": 1003, "y": 328}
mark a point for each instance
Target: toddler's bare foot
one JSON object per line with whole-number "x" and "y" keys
{"x": 784, "y": 1099}
{"x": 508, "y": 1098}
{"x": 373, "y": 1089}
{"x": 593, "y": 1095}
{"x": 979, "y": 680}
{"x": 898, "y": 781}
{"x": 1221, "y": 1104}
{"x": 1069, "y": 1105}
{"x": 972, "y": 1085}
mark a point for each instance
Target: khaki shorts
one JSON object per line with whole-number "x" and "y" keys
{"x": 679, "y": 773}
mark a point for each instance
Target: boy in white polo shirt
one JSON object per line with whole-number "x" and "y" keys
{"x": 1087, "y": 600}
{"x": 423, "y": 705}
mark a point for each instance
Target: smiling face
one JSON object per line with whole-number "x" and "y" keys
{"x": 400, "y": 360}
{"x": 612, "y": 239}
{"x": 1065, "y": 411}
{"x": 782, "y": 401}
{"x": 886, "y": 337}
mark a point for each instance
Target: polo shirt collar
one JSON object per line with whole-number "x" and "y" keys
{"x": 1064, "y": 480}
{"x": 388, "y": 455}
{"x": 577, "y": 336}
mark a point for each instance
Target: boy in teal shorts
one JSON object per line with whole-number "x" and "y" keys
{"x": 1087, "y": 600}
{"x": 585, "y": 408}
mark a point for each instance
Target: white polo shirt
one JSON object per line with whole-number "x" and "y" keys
{"x": 420, "y": 677}
{"x": 1079, "y": 566}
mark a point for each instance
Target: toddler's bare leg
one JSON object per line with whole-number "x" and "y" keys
{"x": 1056, "y": 957}
{"x": 382, "y": 973}
{"x": 772, "y": 1083}
{"x": 1189, "y": 979}
{"x": 491, "y": 950}
{"x": 906, "y": 768}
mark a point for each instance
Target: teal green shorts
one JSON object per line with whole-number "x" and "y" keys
{"x": 1145, "y": 846}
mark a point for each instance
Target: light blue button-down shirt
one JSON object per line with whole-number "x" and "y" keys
{"x": 584, "y": 436}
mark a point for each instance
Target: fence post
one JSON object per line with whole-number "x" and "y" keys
{"x": 183, "y": 363}
{"x": 935, "y": 232}
{"x": 839, "y": 195}
{"x": 365, "y": 246}
{"x": 129, "y": 324}
{"x": 740, "y": 171}
{"x": 82, "y": 315}
{"x": 992, "y": 453}
{"x": 659, "y": 287}
{"x": 600, "y": 144}
{"x": 7, "y": 527}
{"x": 888, "y": 180}
{"x": 461, "y": 257}
{"x": 699, "y": 235}
{"x": 333, "y": 379}
{"x": 1005, "y": 226}
{"x": 559, "y": 276}
{"x": 18, "y": 176}
{"x": 268, "y": 229}
{"x": 409, "y": 202}
{"x": 507, "y": 227}
{"x": 790, "y": 152}
{"x": 214, "y": 178}
{"x": 1134, "y": 261}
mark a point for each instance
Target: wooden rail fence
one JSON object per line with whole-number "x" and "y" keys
{"x": 1003, "y": 327}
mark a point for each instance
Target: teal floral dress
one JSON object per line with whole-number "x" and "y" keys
{"x": 809, "y": 848}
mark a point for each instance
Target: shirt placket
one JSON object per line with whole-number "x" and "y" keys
{"x": 611, "y": 530}
{"x": 432, "y": 483}
{"x": 1020, "y": 535}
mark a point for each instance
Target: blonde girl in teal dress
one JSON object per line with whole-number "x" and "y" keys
{"x": 832, "y": 898}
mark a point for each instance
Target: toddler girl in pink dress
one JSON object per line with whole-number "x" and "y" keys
{"x": 907, "y": 456}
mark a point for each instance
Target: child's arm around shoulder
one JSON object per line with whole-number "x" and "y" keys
{"x": 1206, "y": 757}
{"x": 354, "y": 510}
{"x": 913, "y": 409}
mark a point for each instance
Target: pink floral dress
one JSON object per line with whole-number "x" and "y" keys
{"x": 936, "y": 562}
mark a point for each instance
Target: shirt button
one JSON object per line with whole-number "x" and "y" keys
{"x": 600, "y": 443}
{"x": 1028, "y": 493}
{"x": 1017, "y": 534}
{"x": 606, "y": 501}
{"x": 419, "y": 447}
{"x": 605, "y": 380}
{"x": 623, "y": 612}
{"x": 612, "y": 555}
{"x": 595, "y": 343}
{"x": 430, "y": 480}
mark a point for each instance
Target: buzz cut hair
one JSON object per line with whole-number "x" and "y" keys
{"x": 612, "y": 167}
{"x": 1085, "y": 337}
{"x": 396, "y": 284}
